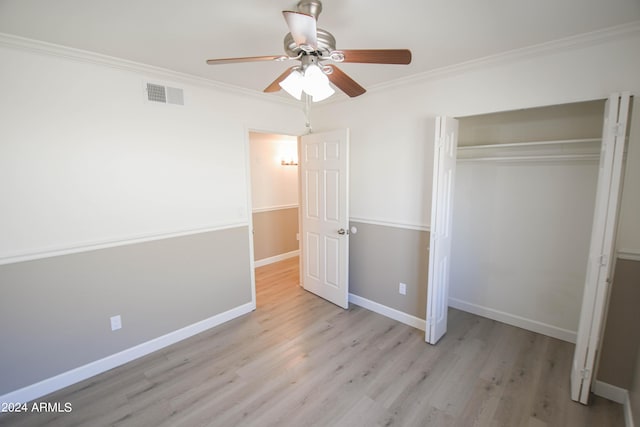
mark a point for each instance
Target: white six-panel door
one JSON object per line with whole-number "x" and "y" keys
{"x": 601, "y": 250}
{"x": 444, "y": 168}
{"x": 324, "y": 162}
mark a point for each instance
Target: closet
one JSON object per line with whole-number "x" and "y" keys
{"x": 525, "y": 190}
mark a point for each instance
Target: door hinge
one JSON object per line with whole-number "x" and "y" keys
{"x": 603, "y": 261}
{"x": 619, "y": 130}
{"x": 585, "y": 374}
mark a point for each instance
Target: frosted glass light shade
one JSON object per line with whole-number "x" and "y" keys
{"x": 316, "y": 83}
{"x": 313, "y": 82}
{"x": 293, "y": 84}
{"x": 322, "y": 93}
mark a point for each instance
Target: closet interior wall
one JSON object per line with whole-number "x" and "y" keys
{"x": 524, "y": 200}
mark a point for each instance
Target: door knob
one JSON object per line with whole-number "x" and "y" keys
{"x": 343, "y": 231}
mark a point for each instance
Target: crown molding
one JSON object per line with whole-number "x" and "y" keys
{"x": 556, "y": 46}
{"x": 560, "y": 45}
{"x": 45, "y": 48}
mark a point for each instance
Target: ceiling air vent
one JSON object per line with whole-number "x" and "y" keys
{"x": 165, "y": 94}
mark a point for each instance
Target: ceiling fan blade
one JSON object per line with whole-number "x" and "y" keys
{"x": 378, "y": 56}
{"x": 303, "y": 29}
{"x": 275, "y": 85}
{"x": 345, "y": 83}
{"x": 247, "y": 59}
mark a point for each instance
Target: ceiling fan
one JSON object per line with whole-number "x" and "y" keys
{"x": 313, "y": 46}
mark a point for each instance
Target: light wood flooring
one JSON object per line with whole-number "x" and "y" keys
{"x": 299, "y": 360}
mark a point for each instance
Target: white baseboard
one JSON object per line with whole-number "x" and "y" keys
{"x": 392, "y": 313}
{"x": 42, "y": 388}
{"x": 628, "y": 255}
{"x": 608, "y": 391}
{"x": 615, "y": 394}
{"x": 281, "y": 257}
{"x": 514, "y": 320}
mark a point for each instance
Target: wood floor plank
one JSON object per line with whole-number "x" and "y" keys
{"x": 299, "y": 360}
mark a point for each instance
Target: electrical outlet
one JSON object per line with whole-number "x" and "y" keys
{"x": 402, "y": 288}
{"x": 116, "y": 322}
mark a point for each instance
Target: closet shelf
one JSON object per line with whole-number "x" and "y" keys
{"x": 533, "y": 158}
{"x": 530, "y": 144}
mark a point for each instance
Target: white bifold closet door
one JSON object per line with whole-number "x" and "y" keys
{"x": 444, "y": 169}
{"x": 601, "y": 250}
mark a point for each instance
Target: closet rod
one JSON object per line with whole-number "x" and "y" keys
{"x": 532, "y": 143}
{"x": 557, "y": 157}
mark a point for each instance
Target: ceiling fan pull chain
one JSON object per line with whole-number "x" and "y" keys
{"x": 307, "y": 112}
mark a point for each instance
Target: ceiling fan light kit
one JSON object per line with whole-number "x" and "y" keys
{"x": 312, "y": 46}
{"x": 309, "y": 78}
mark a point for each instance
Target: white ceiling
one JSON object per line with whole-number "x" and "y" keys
{"x": 181, "y": 34}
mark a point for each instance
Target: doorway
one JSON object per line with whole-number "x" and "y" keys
{"x": 278, "y": 226}
{"x": 274, "y": 197}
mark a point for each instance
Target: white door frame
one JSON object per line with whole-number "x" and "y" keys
{"x": 247, "y": 157}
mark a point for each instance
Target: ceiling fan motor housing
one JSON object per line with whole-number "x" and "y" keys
{"x": 310, "y": 7}
{"x": 326, "y": 43}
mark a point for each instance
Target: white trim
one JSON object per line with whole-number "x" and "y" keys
{"x": 45, "y": 48}
{"x": 394, "y": 224}
{"x": 275, "y": 208}
{"x": 89, "y": 370}
{"x": 615, "y": 394}
{"x": 608, "y": 391}
{"x": 103, "y": 244}
{"x": 389, "y": 312}
{"x": 555, "y": 46}
{"x": 252, "y": 258}
{"x": 266, "y": 261}
{"x": 628, "y": 255}
{"x": 514, "y": 320}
